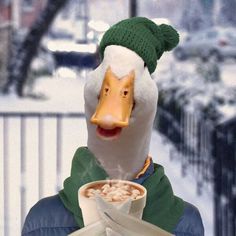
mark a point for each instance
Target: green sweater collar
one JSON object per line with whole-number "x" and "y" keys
{"x": 162, "y": 208}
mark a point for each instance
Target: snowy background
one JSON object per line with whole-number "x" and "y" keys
{"x": 59, "y": 90}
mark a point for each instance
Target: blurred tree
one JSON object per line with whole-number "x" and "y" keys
{"x": 227, "y": 12}
{"x": 20, "y": 63}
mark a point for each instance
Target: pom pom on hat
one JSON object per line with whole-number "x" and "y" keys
{"x": 170, "y": 36}
{"x": 142, "y": 36}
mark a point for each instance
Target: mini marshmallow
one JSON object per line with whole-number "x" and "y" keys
{"x": 114, "y": 192}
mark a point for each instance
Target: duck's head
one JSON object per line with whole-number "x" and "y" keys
{"x": 119, "y": 96}
{"x": 116, "y": 102}
{"x": 120, "y": 92}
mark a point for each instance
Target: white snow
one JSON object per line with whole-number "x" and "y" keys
{"x": 227, "y": 70}
{"x": 182, "y": 82}
{"x": 62, "y": 93}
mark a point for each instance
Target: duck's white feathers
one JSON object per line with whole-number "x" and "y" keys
{"x": 123, "y": 158}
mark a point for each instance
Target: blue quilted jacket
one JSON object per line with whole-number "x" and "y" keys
{"x": 49, "y": 217}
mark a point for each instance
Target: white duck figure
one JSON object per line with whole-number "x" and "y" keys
{"x": 120, "y": 106}
{"x": 121, "y": 97}
{"x": 124, "y": 96}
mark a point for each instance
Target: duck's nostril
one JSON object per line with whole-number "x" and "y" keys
{"x": 107, "y": 122}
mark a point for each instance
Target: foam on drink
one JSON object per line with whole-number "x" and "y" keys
{"x": 114, "y": 192}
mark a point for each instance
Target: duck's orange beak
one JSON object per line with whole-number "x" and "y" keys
{"x": 115, "y": 104}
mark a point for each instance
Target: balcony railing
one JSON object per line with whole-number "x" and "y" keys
{"x": 208, "y": 151}
{"x": 24, "y": 136}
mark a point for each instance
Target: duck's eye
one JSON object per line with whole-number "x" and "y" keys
{"x": 125, "y": 93}
{"x": 106, "y": 91}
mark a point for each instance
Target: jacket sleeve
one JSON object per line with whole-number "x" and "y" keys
{"x": 190, "y": 223}
{"x": 58, "y": 231}
{"x": 49, "y": 217}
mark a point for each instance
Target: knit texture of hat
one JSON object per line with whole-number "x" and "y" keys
{"x": 142, "y": 36}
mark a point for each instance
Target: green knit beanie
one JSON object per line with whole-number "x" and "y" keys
{"x": 142, "y": 36}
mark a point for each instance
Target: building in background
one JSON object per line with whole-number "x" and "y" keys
{"x": 15, "y": 16}
{"x": 5, "y": 38}
{"x": 20, "y": 13}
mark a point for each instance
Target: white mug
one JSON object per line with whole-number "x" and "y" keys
{"x": 89, "y": 208}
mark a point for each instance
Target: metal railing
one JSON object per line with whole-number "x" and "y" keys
{"x": 225, "y": 178}
{"x": 23, "y": 132}
{"x": 208, "y": 150}
{"x": 192, "y": 138}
